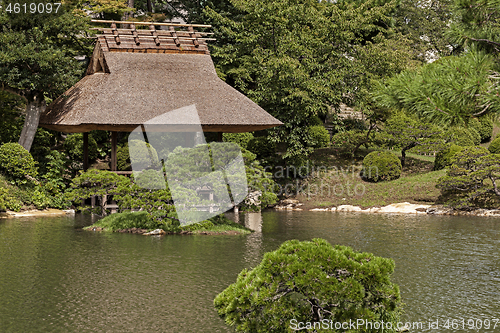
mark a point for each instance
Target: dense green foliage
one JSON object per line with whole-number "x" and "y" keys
{"x": 444, "y": 156}
{"x": 8, "y": 201}
{"x": 310, "y": 281}
{"x": 258, "y": 180}
{"x": 459, "y": 136}
{"x": 123, "y": 158}
{"x": 37, "y": 58}
{"x": 142, "y": 155}
{"x": 74, "y": 147}
{"x": 407, "y": 132}
{"x": 297, "y": 60}
{"x": 143, "y": 220}
{"x": 381, "y": 166}
{"x": 472, "y": 179}
{"x": 262, "y": 147}
{"x": 447, "y": 91}
{"x": 486, "y": 129}
{"x": 241, "y": 139}
{"x": 477, "y": 25}
{"x": 319, "y": 136}
{"x": 481, "y": 129}
{"x": 350, "y": 141}
{"x": 17, "y": 163}
{"x": 494, "y": 146}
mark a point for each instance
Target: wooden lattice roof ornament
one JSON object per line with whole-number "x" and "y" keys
{"x": 138, "y": 74}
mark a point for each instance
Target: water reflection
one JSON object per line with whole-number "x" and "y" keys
{"x": 57, "y": 278}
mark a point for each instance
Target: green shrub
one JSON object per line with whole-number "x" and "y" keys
{"x": 123, "y": 158}
{"x": 348, "y": 140}
{"x": 261, "y": 146}
{"x": 17, "y": 163}
{"x": 469, "y": 181}
{"x": 242, "y": 139}
{"x": 74, "y": 147}
{"x": 494, "y": 146}
{"x": 459, "y": 136}
{"x": 319, "y": 135}
{"x": 475, "y": 124}
{"x": 143, "y": 155}
{"x": 381, "y": 166}
{"x": 486, "y": 129}
{"x": 351, "y": 123}
{"x": 311, "y": 281}
{"x": 100, "y": 136}
{"x": 476, "y": 137}
{"x": 8, "y": 201}
{"x": 443, "y": 157}
{"x": 38, "y": 198}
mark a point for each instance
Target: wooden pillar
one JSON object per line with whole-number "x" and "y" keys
{"x": 219, "y": 136}
{"x": 114, "y": 141}
{"x": 85, "y": 151}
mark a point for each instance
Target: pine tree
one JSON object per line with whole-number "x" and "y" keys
{"x": 37, "y": 57}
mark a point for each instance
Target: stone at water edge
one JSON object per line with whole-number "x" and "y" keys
{"x": 348, "y": 208}
{"x": 155, "y": 232}
{"x": 289, "y": 202}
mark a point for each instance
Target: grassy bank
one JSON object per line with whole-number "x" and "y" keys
{"x": 342, "y": 184}
{"x": 141, "y": 222}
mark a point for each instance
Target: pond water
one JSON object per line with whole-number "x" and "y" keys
{"x": 54, "y": 277}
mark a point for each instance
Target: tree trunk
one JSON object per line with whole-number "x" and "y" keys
{"x": 403, "y": 152}
{"x": 34, "y": 108}
{"x": 149, "y": 6}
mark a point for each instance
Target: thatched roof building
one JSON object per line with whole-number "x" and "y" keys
{"x": 135, "y": 75}
{"x": 139, "y": 74}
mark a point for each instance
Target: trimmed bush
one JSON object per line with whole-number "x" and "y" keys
{"x": 486, "y": 129}
{"x": 241, "y": 139}
{"x": 476, "y": 137}
{"x": 123, "y": 158}
{"x": 459, "y": 136}
{"x": 143, "y": 155}
{"x": 17, "y": 163}
{"x": 74, "y": 147}
{"x": 311, "y": 281}
{"x": 494, "y": 146}
{"x": 443, "y": 157}
{"x": 261, "y": 146}
{"x": 381, "y": 166}
{"x": 319, "y": 136}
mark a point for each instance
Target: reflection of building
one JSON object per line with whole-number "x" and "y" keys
{"x": 253, "y": 221}
{"x": 138, "y": 74}
{"x": 205, "y": 193}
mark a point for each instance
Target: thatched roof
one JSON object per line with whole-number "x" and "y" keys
{"x": 135, "y": 76}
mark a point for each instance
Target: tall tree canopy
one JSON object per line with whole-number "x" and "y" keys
{"x": 297, "y": 59}
{"x": 37, "y": 58}
{"x": 478, "y": 24}
{"x": 449, "y": 91}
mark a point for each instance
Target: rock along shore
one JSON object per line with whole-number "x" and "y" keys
{"x": 37, "y": 213}
{"x": 395, "y": 208}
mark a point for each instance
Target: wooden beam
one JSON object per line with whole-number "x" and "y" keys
{"x": 85, "y": 151}
{"x": 114, "y": 141}
{"x": 154, "y": 23}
